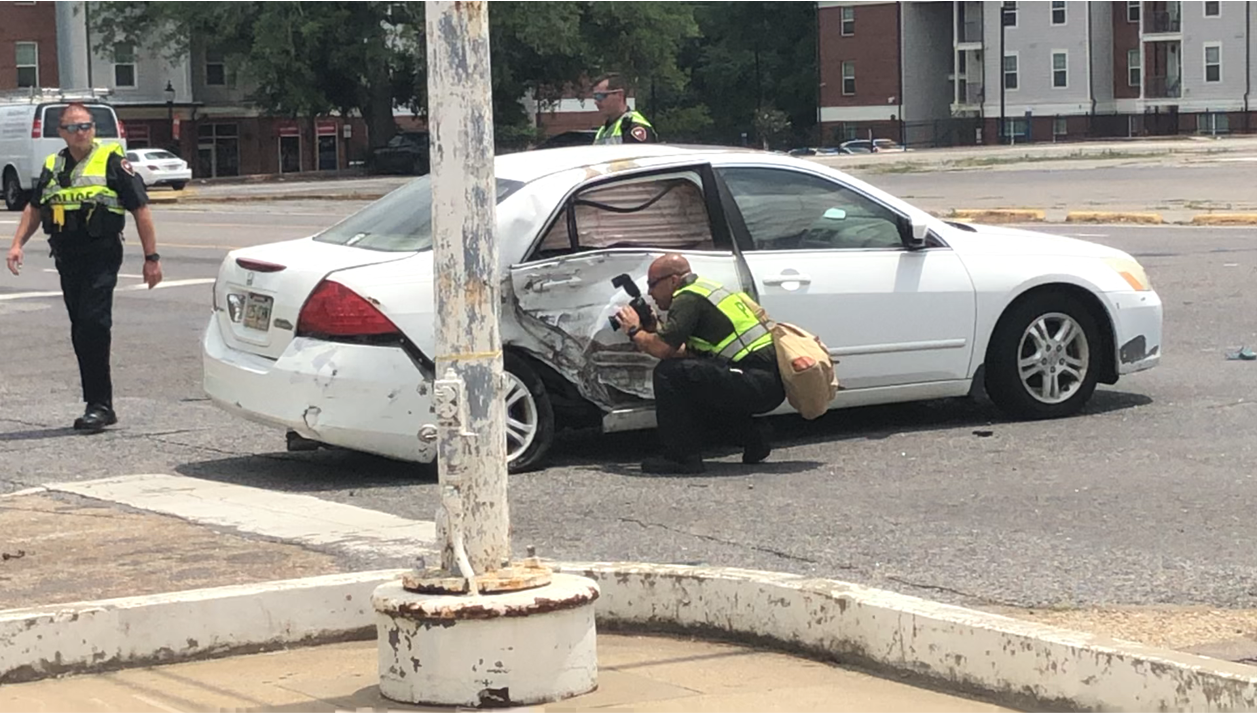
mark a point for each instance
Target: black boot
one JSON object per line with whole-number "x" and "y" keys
{"x": 95, "y": 419}
{"x": 758, "y": 442}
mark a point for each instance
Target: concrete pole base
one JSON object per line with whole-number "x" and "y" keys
{"x": 493, "y": 651}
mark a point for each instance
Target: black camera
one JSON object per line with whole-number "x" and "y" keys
{"x": 638, "y": 303}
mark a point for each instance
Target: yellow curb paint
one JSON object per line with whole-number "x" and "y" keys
{"x": 998, "y": 215}
{"x": 1225, "y": 219}
{"x": 1082, "y": 216}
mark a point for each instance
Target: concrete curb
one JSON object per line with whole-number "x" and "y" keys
{"x": 998, "y": 215}
{"x": 1087, "y": 216}
{"x": 1018, "y": 662}
{"x": 201, "y": 623}
{"x": 1225, "y": 219}
{"x": 245, "y": 197}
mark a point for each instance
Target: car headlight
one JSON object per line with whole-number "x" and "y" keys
{"x": 1132, "y": 272}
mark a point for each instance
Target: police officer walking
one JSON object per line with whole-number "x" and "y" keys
{"x": 623, "y": 125}
{"x": 717, "y": 365}
{"x": 81, "y": 200}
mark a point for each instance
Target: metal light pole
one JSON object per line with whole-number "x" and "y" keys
{"x": 471, "y": 445}
{"x": 169, "y": 91}
{"x": 439, "y": 629}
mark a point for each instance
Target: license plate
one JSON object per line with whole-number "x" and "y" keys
{"x": 257, "y": 312}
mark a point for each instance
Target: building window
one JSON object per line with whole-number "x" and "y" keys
{"x": 1212, "y": 8}
{"x": 1060, "y": 126}
{"x": 1132, "y": 11}
{"x": 124, "y": 65}
{"x": 1060, "y": 70}
{"x": 848, "y": 78}
{"x": 1134, "y": 65}
{"x": 27, "y": 64}
{"x": 1014, "y": 127}
{"x": 848, "y": 21}
{"x": 215, "y": 69}
{"x": 1010, "y": 71}
{"x": 1058, "y": 12}
{"x": 1213, "y": 62}
{"x": 1009, "y": 13}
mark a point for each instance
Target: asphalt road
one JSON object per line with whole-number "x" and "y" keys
{"x": 1145, "y": 498}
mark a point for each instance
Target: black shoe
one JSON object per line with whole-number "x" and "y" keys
{"x": 95, "y": 419}
{"x": 758, "y": 444}
{"x": 666, "y": 466}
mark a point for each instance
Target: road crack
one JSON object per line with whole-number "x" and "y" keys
{"x": 709, "y": 538}
{"x": 949, "y": 590}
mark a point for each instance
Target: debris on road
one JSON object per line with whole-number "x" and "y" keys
{"x": 1244, "y": 354}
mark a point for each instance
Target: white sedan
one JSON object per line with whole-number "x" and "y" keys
{"x": 332, "y": 336}
{"x": 159, "y": 167}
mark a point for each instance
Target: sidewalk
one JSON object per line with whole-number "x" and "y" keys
{"x": 639, "y": 673}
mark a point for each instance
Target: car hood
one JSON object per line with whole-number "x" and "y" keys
{"x": 996, "y": 240}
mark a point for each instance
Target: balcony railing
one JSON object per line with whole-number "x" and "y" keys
{"x": 1162, "y": 87}
{"x": 1163, "y": 21}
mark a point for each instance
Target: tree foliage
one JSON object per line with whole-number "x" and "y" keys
{"x": 705, "y": 70}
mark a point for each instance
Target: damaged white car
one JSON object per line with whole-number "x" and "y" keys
{"x": 331, "y": 337}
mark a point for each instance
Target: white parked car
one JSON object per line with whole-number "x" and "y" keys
{"x": 159, "y": 167}
{"x": 332, "y": 336}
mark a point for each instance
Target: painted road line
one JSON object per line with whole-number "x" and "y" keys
{"x": 127, "y": 288}
{"x": 289, "y": 517}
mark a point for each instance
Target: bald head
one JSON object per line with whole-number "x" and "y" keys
{"x": 665, "y": 276}
{"x": 670, "y": 264}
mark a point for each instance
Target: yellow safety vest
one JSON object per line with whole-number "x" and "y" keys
{"x": 748, "y": 335}
{"x": 88, "y": 190}
{"x": 616, "y": 135}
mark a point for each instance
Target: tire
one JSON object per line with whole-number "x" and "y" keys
{"x": 529, "y": 416}
{"x": 14, "y": 197}
{"x": 178, "y": 185}
{"x": 1036, "y": 371}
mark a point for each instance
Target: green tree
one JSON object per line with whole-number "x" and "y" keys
{"x": 367, "y": 57}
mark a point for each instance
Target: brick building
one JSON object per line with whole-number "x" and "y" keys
{"x": 28, "y": 45}
{"x": 945, "y": 73}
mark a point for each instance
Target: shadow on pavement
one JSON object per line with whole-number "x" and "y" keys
{"x": 36, "y": 434}
{"x": 616, "y": 453}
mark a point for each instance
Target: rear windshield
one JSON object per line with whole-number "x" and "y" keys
{"x": 106, "y": 124}
{"x": 150, "y": 155}
{"x": 398, "y": 222}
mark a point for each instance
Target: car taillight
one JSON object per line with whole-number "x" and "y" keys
{"x": 153, "y": 168}
{"x": 336, "y": 311}
{"x": 37, "y": 129}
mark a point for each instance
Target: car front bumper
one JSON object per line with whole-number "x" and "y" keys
{"x": 1137, "y": 318}
{"x": 365, "y": 398}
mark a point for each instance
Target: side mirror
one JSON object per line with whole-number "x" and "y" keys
{"x": 918, "y": 230}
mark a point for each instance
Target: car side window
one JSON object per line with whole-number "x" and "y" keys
{"x": 133, "y": 157}
{"x": 661, "y": 211}
{"x": 790, "y": 210}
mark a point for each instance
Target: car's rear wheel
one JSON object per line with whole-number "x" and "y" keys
{"x": 178, "y": 185}
{"x": 1044, "y": 358}
{"x": 14, "y": 197}
{"x": 529, "y": 415}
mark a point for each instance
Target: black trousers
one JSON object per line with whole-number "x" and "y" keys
{"x": 693, "y": 395}
{"x": 89, "y": 274}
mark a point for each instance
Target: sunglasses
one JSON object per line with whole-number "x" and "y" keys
{"x": 650, "y": 284}
{"x": 81, "y": 126}
{"x": 599, "y": 96}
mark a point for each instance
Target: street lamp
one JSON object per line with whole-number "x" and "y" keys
{"x": 169, "y": 91}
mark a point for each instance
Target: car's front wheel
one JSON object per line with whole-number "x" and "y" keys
{"x": 1044, "y": 358}
{"x": 178, "y": 185}
{"x": 529, "y": 415}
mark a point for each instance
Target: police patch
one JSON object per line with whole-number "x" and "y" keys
{"x": 126, "y": 166}
{"x": 638, "y": 132}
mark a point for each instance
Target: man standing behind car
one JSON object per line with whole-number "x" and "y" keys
{"x": 717, "y": 364}
{"x": 623, "y": 125}
{"x": 81, "y": 200}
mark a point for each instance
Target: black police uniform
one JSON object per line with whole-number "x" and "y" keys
{"x": 632, "y": 132}
{"x": 699, "y": 390}
{"x": 88, "y": 265}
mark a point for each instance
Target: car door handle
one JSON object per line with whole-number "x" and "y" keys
{"x": 784, "y": 278}
{"x": 543, "y": 285}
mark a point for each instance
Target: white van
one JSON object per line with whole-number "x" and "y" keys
{"x": 28, "y": 134}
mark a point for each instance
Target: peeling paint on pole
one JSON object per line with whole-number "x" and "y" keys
{"x": 471, "y": 442}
